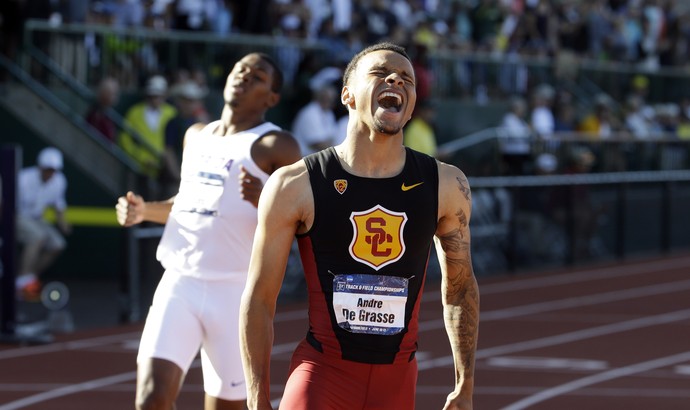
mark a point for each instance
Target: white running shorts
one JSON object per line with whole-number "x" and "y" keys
{"x": 188, "y": 314}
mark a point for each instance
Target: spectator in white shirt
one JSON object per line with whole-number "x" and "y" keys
{"x": 640, "y": 120}
{"x": 315, "y": 125}
{"x": 40, "y": 187}
{"x": 542, "y": 117}
{"x": 516, "y": 136}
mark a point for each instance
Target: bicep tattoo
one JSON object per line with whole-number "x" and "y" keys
{"x": 464, "y": 187}
{"x": 462, "y": 219}
{"x": 460, "y": 292}
{"x": 461, "y": 298}
{"x": 456, "y": 247}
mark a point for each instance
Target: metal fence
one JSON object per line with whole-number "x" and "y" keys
{"x": 89, "y": 52}
{"x": 558, "y": 220}
{"x": 480, "y": 153}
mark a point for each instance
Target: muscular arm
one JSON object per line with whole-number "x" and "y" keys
{"x": 459, "y": 286}
{"x": 131, "y": 209}
{"x": 272, "y": 151}
{"x": 281, "y": 212}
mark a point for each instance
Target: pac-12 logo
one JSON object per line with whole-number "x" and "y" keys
{"x": 378, "y": 236}
{"x": 340, "y": 185}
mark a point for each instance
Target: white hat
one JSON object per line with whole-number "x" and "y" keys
{"x": 50, "y": 158}
{"x": 547, "y": 162}
{"x": 188, "y": 89}
{"x": 290, "y": 22}
{"x": 325, "y": 76}
{"x": 156, "y": 85}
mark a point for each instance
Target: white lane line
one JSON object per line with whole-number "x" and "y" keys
{"x": 585, "y": 275}
{"x": 67, "y": 390}
{"x": 554, "y": 340}
{"x": 519, "y": 284}
{"x": 106, "y": 381}
{"x": 287, "y": 316}
{"x": 425, "y": 364}
{"x": 547, "y": 363}
{"x": 588, "y": 300}
{"x": 72, "y": 345}
{"x": 657, "y": 268}
{"x": 564, "y": 338}
{"x": 588, "y": 392}
{"x": 284, "y": 348}
{"x": 39, "y": 387}
{"x": 291, "y": 315}
{"x": 598, "y": 378}
{"x": 577, "y": 301}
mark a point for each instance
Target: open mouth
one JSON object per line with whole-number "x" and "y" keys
{"x": 390, "y": 101}
{"x": 237, "y": 88}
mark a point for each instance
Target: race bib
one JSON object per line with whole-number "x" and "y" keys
{"x": 371, "y": 304}
{"x": 201, "y": 193}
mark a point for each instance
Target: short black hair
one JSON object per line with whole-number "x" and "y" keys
{"x": 277, "y": 83}
{"x": 352, "y": 65}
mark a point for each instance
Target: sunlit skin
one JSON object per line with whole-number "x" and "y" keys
{"x": 376, "y": 73}
{"x": 248, "y": 93}
{"x": 373, "y": 147}
{"x": 379, "y": 93}
{"x": 252, "y": 87}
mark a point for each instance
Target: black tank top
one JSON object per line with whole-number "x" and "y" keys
{"x": 365, "y": 257}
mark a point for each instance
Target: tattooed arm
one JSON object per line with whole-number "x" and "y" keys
{"x": 459, "y": 286}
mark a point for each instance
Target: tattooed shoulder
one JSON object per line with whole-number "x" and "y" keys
{"x": 464, "y": 187}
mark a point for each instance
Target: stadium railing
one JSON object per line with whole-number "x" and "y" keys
{"x": 88, "y": 52}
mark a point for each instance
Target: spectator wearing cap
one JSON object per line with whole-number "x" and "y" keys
{"x": 148, "y": 118}
{"x": 188, "y": 96}
{"x": 107, "y": 96}
{"x": 40, "y": 187}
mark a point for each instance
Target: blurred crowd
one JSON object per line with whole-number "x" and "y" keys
{"x": 646, "y": 33}
{"x": 652, "y": 33}
{"x": 607, "y": 135}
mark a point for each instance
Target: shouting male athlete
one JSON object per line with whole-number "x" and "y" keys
{"x": 365, "y": 213}
{"x": 206, "y": 244}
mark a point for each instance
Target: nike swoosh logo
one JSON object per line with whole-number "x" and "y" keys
{"x": 235, "y": 384}
{"x": 407, "y": 188}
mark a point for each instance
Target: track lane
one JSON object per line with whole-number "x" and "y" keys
{"x": 581, "y": 314}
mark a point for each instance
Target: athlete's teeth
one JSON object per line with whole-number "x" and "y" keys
{"x": 389, "y": 94}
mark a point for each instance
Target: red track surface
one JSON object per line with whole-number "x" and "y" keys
{"x": 609, "y": 337}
